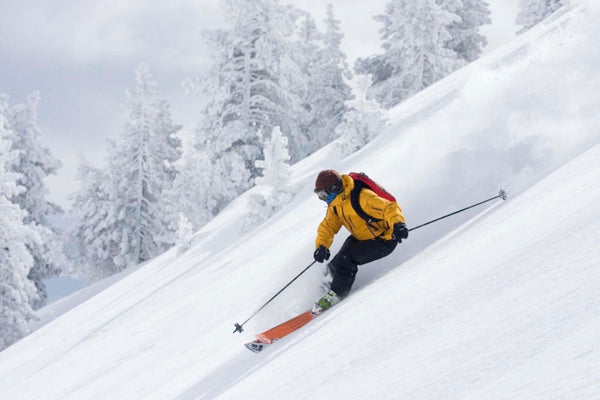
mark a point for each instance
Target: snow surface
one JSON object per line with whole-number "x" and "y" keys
{"x": 496, "y": 303}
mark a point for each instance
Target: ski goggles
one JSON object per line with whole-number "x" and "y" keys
{"x": 321, "y": 194}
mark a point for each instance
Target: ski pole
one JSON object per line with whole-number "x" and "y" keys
{"x": 239, "y": 327}
{"x": 501, "y": 194}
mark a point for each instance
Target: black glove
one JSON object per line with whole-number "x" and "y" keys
{"x": 322, "y": 254}
{"x": 400, "y": 231}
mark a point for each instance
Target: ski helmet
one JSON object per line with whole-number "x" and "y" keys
{"x": 329, "y": 180}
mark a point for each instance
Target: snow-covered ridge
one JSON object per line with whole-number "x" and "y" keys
{"x": 507, "y": 307}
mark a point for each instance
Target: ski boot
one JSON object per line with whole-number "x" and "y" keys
{"x": 328, "y": 300}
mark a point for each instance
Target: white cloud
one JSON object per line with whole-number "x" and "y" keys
{"x": 83, "y": 33}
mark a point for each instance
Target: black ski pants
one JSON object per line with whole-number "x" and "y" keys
{"x": 356, "y": 252}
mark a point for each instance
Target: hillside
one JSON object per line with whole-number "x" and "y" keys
{"x": 495, "y": 303}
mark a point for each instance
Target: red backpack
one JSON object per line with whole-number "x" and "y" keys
{"x": 361, "y": 181}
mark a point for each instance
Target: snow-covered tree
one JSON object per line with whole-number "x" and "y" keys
{"x": 275, "y": 168}
{"x": 33, "y": 164}
{"x": 142, "y": 167}
{"x": 363, "y": 122}
{"x": 274, "y": 189}
{"x": 94, "y": 243}
{"x": 123, "y": 214}
{"x": 252, "y": 85}
{"x": 255, "y": 84}
{"x": 465, "y": 38}
{"x": 17, "y": 292}
{"x": 328, "y": 90}
{"x": 193, "y": 194}
{"x": 185, "y": 233}
{"x": 271, "y": 67}
{"x": 533, "y": 11}
{"x": 306, "y": 54}
{"x": 414, "y": 37}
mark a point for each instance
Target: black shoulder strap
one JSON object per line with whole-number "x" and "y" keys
{"x": 355, "y": 201}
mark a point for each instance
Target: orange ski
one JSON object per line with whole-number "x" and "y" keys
{"x": 280, "y": 331}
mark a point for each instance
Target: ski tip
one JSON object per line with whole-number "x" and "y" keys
{"x": 256, "y": 346}
{"x": 261, "y": 337}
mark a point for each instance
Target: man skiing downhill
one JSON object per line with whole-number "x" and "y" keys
{"x": 371, "y": 238}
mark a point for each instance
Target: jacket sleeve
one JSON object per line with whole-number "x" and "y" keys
{"x": 380, "y": 208}
{"x": 330, "y": 225}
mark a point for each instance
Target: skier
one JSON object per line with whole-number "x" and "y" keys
{"x": 370, "y": 239}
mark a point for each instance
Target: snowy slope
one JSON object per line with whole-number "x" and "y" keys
{"x": 505, "y": 306}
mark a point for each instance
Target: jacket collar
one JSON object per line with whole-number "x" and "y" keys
{"x": 348, "y": 185}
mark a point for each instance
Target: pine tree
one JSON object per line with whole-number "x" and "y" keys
{"x": 414, "y": 35}
{"x": 307, "y": 55}
{"x": 124, "y": 214}
{"x": 275, "y": 168}
{"x": 361, "y": 123}
{"x": 271, "y": 68}
{"x": 93, "y": 244}
{"x": 192, "y": 193}
{"x": 33, "y": 164}
{"x": 185, "y": 232}
{"x": 251, "y": 83}
{"x": 17, "y": 292}
{"x": 142, "y": 166}
{"x": 274, "y": 189}
{"x": 532, "y": 12}
{"x": 254, "y": 85}
{"x": 465, "y": 38}
{"x": 328, "y": 90}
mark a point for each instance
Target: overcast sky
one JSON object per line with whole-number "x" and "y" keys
{"x": 81, "y": 57}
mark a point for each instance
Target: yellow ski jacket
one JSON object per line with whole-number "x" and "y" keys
{"x": 340, "y": 212}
